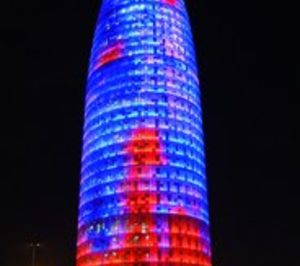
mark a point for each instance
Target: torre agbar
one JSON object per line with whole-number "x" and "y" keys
{"x": 143, "y": 196}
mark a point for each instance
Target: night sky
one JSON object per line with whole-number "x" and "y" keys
{"x": 239, "y": 45}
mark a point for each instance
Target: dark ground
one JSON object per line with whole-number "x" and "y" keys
{"x": 248, "y": 130}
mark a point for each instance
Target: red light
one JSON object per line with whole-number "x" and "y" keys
{"x": 145, "y": 153}
{"x": 111, "y": 54}
{"x": 171, "y": 2}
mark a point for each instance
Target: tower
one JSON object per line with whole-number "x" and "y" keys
{"x": 143, "y": 196}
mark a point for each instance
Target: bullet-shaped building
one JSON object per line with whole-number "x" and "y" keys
{"x": 143, "y": 195}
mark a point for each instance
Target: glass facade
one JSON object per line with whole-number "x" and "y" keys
{"x": 143, "y": 197}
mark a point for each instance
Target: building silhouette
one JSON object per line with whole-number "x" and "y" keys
{"x": 143, "y": 196}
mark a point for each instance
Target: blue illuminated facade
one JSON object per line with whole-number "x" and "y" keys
{"x": 143, "y": 196}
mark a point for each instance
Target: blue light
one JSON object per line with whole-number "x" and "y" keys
{"x": 143, "y": 196}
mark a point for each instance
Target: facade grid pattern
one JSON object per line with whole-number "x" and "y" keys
{"x": 143, "y": 196}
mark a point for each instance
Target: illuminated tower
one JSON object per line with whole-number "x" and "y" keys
{"x": 143, "y": 197}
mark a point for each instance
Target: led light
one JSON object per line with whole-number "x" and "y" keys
{"x": 143, "y": 197}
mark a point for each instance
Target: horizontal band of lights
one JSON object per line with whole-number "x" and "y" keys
{"x": 143, "y": 198}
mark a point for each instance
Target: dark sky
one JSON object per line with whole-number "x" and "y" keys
{"x": 244, "y": 85}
